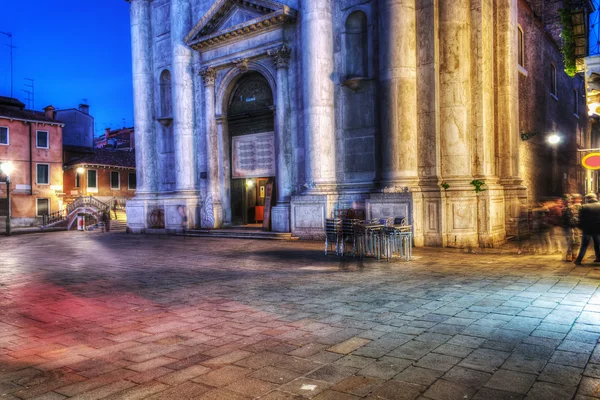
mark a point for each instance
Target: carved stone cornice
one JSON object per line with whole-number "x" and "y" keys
{"x": 281, "y": 56}
{"x": 209, "y": 76}
{"x": 206, "y": 34}
{"x": 241, "y": 64}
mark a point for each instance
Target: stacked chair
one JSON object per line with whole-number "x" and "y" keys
{"x": 380, "y": 238}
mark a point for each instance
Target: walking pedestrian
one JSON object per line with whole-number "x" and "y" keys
{"x": 569, "y": 225}
{"x": 105, "y": 221}
{"x": 589, "y": 223}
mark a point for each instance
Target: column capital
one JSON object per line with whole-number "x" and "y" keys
{"x": 209, "y": 76}
{"x": 281, "y": 56}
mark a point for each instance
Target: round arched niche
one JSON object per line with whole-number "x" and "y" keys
{"x": 250, "y": 105}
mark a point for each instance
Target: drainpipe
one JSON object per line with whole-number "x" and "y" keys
{"x": 30, "y": 162}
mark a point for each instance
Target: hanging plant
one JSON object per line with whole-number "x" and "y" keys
{"x": 445, "y": 186}
{"x": 568, "y": 38}
{"x": 478, "y": 185}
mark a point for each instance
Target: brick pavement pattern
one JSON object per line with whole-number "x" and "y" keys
{"x": 86, "y": 315}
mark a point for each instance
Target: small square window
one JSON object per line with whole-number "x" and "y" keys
{"x": 114, "y": 180}
{"x": 3, "y": 135}
{"x": 43, "y": 207}
{"x": 42, "y": 140}
{"x": 43, "y": 174}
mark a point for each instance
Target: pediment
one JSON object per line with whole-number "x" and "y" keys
{"x": 228, "y": 19}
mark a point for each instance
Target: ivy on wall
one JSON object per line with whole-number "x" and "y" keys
{"x": 568, "y": 37}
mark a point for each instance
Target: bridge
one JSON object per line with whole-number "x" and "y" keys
{"x": 68, "y": 216}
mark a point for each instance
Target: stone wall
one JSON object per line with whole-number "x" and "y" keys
{"x": 543, "y": 167}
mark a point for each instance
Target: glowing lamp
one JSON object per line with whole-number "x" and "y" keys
{"x": 7, "y": 167}
{"x": 591, "y": 161}
{"x": 80, "y": 170}
{"x": 249, "y": 183}
{"x": 554, "y": 139}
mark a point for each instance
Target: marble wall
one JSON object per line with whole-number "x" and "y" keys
{"x": 435, "y": 102}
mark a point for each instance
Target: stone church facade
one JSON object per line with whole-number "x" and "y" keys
{"x": 389, "y": 106}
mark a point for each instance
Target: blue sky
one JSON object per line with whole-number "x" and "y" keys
{"x": 74, "y": 50}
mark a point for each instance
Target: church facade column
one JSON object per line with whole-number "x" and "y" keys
{"x": 212, "y": 214}
{"x": 319, "y": 118}
{"x": 283, "y": 142}
{"x": 140, "y": 207}
{"x": 398, "y": 88}
{"x": 507, "y": 108}
{"x": 461, "y": 213}
{"x": 183, "y": 96}
{"x": 143, "y": 95}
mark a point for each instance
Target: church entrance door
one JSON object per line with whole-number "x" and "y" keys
{"x": 251, "y": 126}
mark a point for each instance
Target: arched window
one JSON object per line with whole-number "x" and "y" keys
{"x": 166, "y": 101}
{"x": 357, "y": 45}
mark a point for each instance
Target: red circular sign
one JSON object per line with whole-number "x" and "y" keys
{"x": 591, "y": 161}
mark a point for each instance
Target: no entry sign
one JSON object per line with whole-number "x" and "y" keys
{"x": 591, "y": 161}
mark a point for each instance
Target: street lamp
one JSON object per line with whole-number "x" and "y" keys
{"x": 7, "y": 168}
{"x": 553, "y": 139}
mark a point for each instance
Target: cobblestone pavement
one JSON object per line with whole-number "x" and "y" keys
{"x": 116, "y": 316}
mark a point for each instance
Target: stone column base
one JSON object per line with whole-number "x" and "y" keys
{"x": 211, "y": 215}
{"x": 138, "y": 213}
{"x": 280, "y": 218}
{"x": 307, "y": 216}
{"x": 182, "y": 213}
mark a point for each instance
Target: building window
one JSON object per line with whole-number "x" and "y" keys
{"x": 166, "y": 101}
{"x": 575, "y": 103}
{"x": 42, "y": 207}
{"x": 42, "y": 140}
{"x": 3, "y": 135}
{"x": 132, "y": 181}
{"x": 553, "y": 80}
{"x": 77, "y": 180}
{"x": 43, "y": 174}
{"x": 357, "y": 45}
{"x": 92, "y": 179}
{"x": 521, "y": 56}
{"x": 115, "y": 181}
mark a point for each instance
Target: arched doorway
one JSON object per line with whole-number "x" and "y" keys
{"x": 251, "y": 126}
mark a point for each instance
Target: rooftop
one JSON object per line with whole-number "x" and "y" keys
{"x": 12, "y": 108}
{"x": 116, "y": 158}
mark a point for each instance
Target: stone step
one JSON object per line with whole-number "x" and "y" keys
{"x": 240, "y": 234}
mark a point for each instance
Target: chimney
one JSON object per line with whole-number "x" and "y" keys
{"x": 84, "y": 108}
{"x": 49, "y": 112}
{"x": 107, "y": 132}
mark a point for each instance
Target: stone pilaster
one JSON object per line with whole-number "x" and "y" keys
{"x": 212, "y": 213}
{"x": 183, "y": 96}
{"x": 398, "y": 89}
{"x": 507, "y": 101}
{"x": 319, "y": 120}
{"x": 143, "y": 95}
{"x": 428, "y": 203}
{"x": 490, "y": 203}
{"x": 280, "y": 220}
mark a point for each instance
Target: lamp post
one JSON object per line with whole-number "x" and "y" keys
{"x": 7, "y": 168}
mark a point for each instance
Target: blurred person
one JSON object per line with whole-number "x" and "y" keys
{"x": 541, "y": 228}
{"x": 569, "y": 224}
{"x": 555, "y": 219}
{"x": 589, "y": 223}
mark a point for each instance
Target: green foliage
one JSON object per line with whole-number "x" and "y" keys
{"x": 445, "y": 186}
{"x": 478, "y": 185}
{"x": 568, "y": 48}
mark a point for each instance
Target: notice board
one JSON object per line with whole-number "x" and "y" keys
{"x": 253, "y": 156}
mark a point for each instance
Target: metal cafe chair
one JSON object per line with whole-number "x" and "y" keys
{"x": 333, "y": 227}
{"x": 347, "y": 234}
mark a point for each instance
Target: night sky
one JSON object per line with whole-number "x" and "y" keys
{"x": 74, "y": 50}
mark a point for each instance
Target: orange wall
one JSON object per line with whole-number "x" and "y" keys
{"x": 104, "y": 189}
{"x": 17, "y": 151}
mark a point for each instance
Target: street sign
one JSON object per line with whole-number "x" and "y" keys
{"x": 591, "y": 161}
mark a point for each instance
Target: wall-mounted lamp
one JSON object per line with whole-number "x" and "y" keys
{"x": 552, "y": 138}
{"x": 80, "y": 170}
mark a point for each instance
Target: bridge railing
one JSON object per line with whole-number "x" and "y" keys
{"x": 82, "y": 201}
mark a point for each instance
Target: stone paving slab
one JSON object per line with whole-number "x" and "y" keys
{"x": 85, "y": 315}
